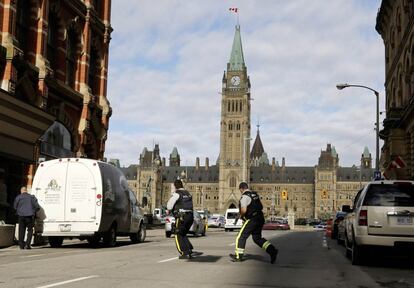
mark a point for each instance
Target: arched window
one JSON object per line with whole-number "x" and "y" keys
{"x": 228, "y": 106}
{"x": 230, "y": 126}
{"x": 241, "y": 106}
{"x": 52, "y": 41}
{"x": 71, "y": 57}
{"x": 23, "y": 20}
{"x": 57, "y": 141}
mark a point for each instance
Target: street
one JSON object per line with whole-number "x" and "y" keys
{"x": 306, "y": 259}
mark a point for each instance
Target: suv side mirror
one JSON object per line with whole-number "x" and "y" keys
{"x": 144, "y": 201}
{"x": 346, "y": 208}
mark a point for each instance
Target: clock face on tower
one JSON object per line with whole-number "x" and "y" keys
{"x": 235, "y": 80}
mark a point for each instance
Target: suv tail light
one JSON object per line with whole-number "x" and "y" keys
{"x": 363, "y": 218}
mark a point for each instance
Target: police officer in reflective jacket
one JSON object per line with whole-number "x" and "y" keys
{"x": 251, "y": 212}
{"x": 181, "y": 204}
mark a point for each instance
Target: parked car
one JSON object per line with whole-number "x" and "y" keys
{"x": 320, "y": 226}
{"x": 276, "y": 225}
{"x": 216, "y": 221}
{"x": 382, "y": 217}
{"x": 198, "y": 227}
{"x": 338, "y": 218}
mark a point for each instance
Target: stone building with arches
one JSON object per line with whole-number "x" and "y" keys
{"x": 53, "y": 83}
{"x": 314, "y": 191}
{"x": 394, "y": 24}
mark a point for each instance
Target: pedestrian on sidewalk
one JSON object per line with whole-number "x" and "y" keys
{"x": 181, "y": 205}
{"x": 26, "y": 206}
{"x": 251, "y": 212}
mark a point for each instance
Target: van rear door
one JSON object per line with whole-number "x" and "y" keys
{"x": 80, "y": 193}
{"x": 50, "y": 187}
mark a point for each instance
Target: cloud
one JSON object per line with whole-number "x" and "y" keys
{"x": 167, "y": 60}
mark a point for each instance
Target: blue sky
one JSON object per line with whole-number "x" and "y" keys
{"x": 167, "y": 59}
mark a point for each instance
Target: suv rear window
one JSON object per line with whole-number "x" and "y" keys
{"x": 391, "y": 195}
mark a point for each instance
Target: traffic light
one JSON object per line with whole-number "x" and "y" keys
{"x": 284, "y": 195}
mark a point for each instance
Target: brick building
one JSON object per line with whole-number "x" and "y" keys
{"x": 53, "y": 81}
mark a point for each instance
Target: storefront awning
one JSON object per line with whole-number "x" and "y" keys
{"x": 21, "y": 125}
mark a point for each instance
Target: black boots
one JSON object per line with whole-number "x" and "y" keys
{"x": 234, "y": 258}
{"x": 272, "y": 251}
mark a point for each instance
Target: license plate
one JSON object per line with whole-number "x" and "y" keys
{"x": 65, "y": 227}
{"x": 405, "y": 220}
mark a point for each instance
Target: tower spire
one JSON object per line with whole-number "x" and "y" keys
{"x": 236, "y": 62}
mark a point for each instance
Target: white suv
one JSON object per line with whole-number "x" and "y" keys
{"x": 382, "y": 216}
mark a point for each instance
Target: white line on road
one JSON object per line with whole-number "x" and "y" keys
{"x": 68, "y": 281}
{"x": 35, "y": 255}
{"x": 168, "y": 260}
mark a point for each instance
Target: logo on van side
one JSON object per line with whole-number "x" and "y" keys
{"x": 109, "y": 194}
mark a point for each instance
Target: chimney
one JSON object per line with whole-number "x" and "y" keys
{"x": 197, "y": 163}
{"x": 273, "y": 164}
{"x": 163, "y": 162}
{"x": 207, "y": 163}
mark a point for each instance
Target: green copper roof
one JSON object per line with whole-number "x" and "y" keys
{"x": 334, "y": 154}
{"x": 174, "y": 153}
{"x": 366, "y": 152}
{"x": 236, "y": 58}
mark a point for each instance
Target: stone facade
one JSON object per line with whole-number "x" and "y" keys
{"x": 309, "y": 192}
{"x": 395, "y": 25}
{"x": 53, "y": 83}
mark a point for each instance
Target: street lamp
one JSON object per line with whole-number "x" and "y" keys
{"x": 342, "y": 86}
{"x": 244, "y": 158}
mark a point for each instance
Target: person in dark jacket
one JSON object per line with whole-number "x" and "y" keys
{"x": 251, "y": 212}
{"x": 181, "y": 205}
{"x": 26, "y": 206}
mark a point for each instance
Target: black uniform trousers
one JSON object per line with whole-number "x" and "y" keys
{"x": 183, "y": 224}
{"x": 252, "y": 226}
{"x": 25, "y": 222}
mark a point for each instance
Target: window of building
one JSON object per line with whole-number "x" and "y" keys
{"x": 52, "y": 41}
{"x": 71, "y": 57}
{"x": 57, "y": 141}
{"x": 23, "y": 20}
{"x": 93, "y": 77}
{"x": 232, "y": 182}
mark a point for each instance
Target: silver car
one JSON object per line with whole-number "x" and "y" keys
{"x": 216, "y": 221}
{"x": 198, "y": 228}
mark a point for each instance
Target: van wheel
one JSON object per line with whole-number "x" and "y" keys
{"x": 139, "y": 237}
{"x": 109, "y": 237}
{"x": 55, "y": 241}
{"x": 168, "y": 234}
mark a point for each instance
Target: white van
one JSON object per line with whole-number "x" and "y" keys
{"x": 231, "y": 215}
{"x": 87, "y": 199}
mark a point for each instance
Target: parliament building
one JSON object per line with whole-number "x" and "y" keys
{"x": 308, "y": 192}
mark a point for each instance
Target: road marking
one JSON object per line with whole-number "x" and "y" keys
{"x": 324, "y": 242}
{"x": 35, "y": 255}
{"x": 232, "y": 244}
{"x": 68, "y": 281}
{"x": 162, "y": 261}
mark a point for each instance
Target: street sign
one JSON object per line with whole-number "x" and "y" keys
{"x": 377, "y": 175}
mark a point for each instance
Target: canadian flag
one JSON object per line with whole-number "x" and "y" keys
{"x": 235, "y": 10}
{"x": 398, "y": 162}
